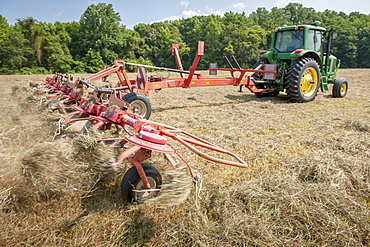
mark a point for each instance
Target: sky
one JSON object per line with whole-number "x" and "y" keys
{"x": 149, "y": 11}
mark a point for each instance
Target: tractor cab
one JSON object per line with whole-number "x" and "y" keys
{"x": 291, "y": 42}
{"x": 288, "y": 41}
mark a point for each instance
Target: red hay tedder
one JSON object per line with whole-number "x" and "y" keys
{"x": 143, "y": 181}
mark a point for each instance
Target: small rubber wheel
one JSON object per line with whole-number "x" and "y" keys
{"x": 340, "y": 88}
{"x": 131, "y": 184}
{"x": 140, "y": 104}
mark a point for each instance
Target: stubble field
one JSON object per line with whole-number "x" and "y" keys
{"x": 308, "y": 181}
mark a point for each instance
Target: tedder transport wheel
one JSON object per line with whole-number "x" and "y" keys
{"x": 131, "y": 184}
{"x": 303, "y": 80}
{"x": 140, "y": 104}
{"x": 340, "y": 88}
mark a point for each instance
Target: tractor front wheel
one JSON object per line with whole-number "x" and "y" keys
{"x": 303, "y": 80}
{"x": 340, "y": 88}
{"x": 133, "y": 188}
{"x": 140, "y": 104}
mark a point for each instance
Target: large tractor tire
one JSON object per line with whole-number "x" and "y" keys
{"x": 133, "y": 188}
{"x": 140, "y": 104}
{"x": 303, "y": 80}
{"x": 340, "y": 88}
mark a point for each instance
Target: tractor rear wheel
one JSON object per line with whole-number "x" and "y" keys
{"x": 133, "y": 188}
{"x": 140, "y": 104}
{"x": 303, "y": 80}
{"x": 340, "y": 88}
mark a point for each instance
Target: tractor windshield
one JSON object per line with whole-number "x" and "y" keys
{"x": 288, "y": 41}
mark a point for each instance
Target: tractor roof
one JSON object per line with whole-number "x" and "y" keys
{"x": 312, "y": 25}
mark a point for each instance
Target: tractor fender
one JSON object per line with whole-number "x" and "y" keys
{"x": 267, "y": 54}
{"x": 306, "y": 53}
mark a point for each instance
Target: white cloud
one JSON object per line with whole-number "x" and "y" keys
{"x": 238, "y": 6}
{"x": 59, "y": 14}
{"x": 190, "y": 13}
{"x": 282, "y": 3}
{"x": 184, "y": 3}
{"x": 210, "y": 11}
{"x": 184, "y": 14}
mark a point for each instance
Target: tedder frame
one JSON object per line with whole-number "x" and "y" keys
{"x": 143, "y": 83}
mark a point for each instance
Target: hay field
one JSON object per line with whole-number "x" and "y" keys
{"x": 308, "y": 183}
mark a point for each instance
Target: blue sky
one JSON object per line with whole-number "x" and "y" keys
{"x": 149, "y": 11}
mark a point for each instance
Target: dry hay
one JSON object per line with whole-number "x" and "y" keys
{"x": 175, "y": 189}
{"x": 314, "y": 202}
{"x": 308, "y": 184}
{"x": 5, "y": 199}
{"x": 357, "y": 125}
{"x": 54, "y": 169}
{"x": 311, "y": 203}
{"x": 46, "y": 167}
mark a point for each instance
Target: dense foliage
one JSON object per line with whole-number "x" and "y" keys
{"x": 30, "y": 46}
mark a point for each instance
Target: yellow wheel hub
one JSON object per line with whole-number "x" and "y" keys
{"x": 343, "y": 89}
{"x": 309, "y": 82}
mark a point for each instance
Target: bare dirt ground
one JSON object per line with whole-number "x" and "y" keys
{"x": 308, "y": 183}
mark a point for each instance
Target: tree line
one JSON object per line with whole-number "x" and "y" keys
{"x": 30, "y": 46}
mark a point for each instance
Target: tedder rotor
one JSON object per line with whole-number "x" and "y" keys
{"x": 143, "y": 181}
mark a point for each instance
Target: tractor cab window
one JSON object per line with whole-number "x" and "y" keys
{"x": 314, "y": 41}
{"x": 288, "y": 41}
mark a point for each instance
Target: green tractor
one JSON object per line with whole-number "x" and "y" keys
{"x": 302, "y": 58}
